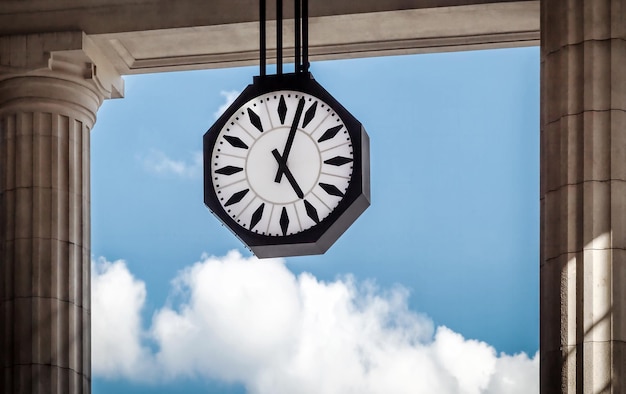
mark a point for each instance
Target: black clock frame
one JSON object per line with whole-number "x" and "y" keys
{"x": 317, "y": 239}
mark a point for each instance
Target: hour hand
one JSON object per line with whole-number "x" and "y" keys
{"x": 282, "y": 168}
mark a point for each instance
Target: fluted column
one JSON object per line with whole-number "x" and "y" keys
{"x": 47, "y": 109}
{"x": 583, "y": 196}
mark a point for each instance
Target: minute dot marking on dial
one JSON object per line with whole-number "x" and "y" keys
{"x": 225, "y": 185}
{"x": 337, "y": 146}
{"x": 321, "y": 122}
{"x": 298, "y": 217}
{"x": 245, "y": 208}
{"x": 267, "y": 229}
{"x": 239, "y": 125}
{"x": 267, "y": 111}
{"x": 322, "y": 201}
{"x": 337, "y": 176}
{"x": 230, "y": 155}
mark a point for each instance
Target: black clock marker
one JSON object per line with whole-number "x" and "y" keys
{"x": 235, "y": 142}
{"x": 255, "y": 120}
{"x": 256, "y": 216}
{"x": 284, "y": 221}
{"x": 330, "y": 133}
{"x": 282, "y": 109}
{"x": 338, "y": 161}
{"x": 331, "y": 189}
{"x": 309, "y": 115}
{"x": 311, "y": 211}
{"x": 235, "y": 198}
{"x": 229, "y": 170}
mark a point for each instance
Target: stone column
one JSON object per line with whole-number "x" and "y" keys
{"x": 583, "y": 196}
{"x": 50, "y": 91}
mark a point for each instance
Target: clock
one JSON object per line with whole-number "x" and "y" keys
{"x": 286, "y": 167}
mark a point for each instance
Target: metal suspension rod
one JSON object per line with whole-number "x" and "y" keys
{"x": 298, "y": 38}
{"x": 279, "y": 37}
{"x": 305, "y": 35}
{"x": 262, "y": 38}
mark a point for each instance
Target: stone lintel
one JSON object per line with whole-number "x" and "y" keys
{"x": 395, "y": 32}
{"x": 143, "y": 36}
{"x": 119, "y": 16}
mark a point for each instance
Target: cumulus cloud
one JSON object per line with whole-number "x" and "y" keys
{"x": 159, "y": 163}
{"x": 255, "y": 322}
{"x": 229, "y": 97}
{"x": 116, "y": 301}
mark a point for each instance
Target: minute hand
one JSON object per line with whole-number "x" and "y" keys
{"x": 290, "y": 137}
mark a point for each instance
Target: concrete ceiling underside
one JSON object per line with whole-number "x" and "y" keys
{"x": 140, "y": 36}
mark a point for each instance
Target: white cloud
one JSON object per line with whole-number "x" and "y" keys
{"x": 230, "y": 97}
{"x": 159, "y": 163}
{"x": 253, "y": 321}
{"x": 513, "y": 369}
{"x": 116, "y": 301}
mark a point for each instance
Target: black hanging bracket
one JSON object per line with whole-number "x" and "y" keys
{"x": 301, "y": 39}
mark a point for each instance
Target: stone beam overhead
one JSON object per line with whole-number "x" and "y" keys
{"x": 119, "y": 16}
{"x": 142, "y": 36}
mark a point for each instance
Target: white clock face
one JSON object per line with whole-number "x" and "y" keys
{"x": 282, "y": 163}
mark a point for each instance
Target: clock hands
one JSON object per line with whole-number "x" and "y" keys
{"x": 282, "y": 160}
{"x": 282, "y": 167}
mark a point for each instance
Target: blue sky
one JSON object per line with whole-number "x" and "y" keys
{"x": 438, "y": 278}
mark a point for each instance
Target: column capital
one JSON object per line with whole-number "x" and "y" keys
{"x": 56, "y": 68}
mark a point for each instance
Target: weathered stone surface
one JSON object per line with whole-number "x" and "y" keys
{"x": 198, "y": 34}
{"x": 583, "y": 210}
{"x": 46, "y": 115}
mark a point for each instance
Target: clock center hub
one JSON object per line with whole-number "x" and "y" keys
{"x": 304, "y": 162}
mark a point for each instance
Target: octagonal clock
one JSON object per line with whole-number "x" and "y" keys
{"x": 286, "y": 167}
